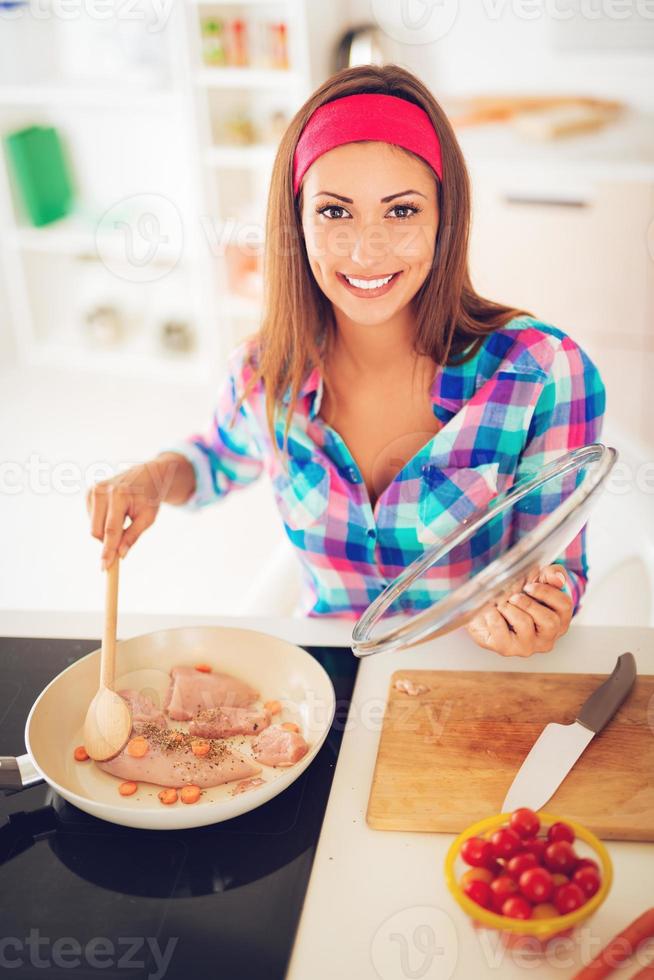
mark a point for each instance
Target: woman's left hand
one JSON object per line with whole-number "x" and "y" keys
{"x": 526, "y": 624}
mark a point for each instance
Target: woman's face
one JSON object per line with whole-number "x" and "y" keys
{"x": 369, "y": 211}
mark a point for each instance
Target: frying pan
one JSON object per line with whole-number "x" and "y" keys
{"x": 277, "y": 669}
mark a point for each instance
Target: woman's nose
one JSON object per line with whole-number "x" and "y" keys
{"x": 370, "y": 247}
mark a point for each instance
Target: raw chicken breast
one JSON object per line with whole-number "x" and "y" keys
{"x": 247, "y": 784}
{"x": 169, "y": 761}
{"x": 223, "y": 722}
{"x": 192, "y": 690}
{"x": 143, "y": 709}
{"x": 277, "y": 747}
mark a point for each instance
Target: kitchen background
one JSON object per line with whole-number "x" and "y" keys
{"x": 137, "y": 145}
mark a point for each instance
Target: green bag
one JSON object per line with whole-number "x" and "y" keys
{"x": 41, "y": 173}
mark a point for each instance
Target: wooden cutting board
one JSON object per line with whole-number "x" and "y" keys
{"x": 447, "y": 757}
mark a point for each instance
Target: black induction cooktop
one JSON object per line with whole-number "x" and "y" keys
{"x": 85, "y": 898}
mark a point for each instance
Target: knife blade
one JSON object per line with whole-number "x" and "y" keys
{"x": 558, "y": 747}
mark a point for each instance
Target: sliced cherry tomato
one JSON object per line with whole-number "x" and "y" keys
{"x": 561, "y": 831}
{"x": 517, "y": 907}
{"x": 560, "y": 857}
{"x": 137, "y": 747}
{"x": 521, "y": 862}
{"x": 588, "y": 880}
{"x": 479, "y": 892}
{"x": 505, "y": 843}
{"x": 536, "y": 884}
{"x": 477, "y": 852}
{"x": 568, "y": 897}
{"x": 525, "y": 822}
{"x": 190, "y": 793}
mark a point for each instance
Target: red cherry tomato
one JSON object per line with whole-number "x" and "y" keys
{"x": 560, "y": 856}
{"x": 502, "y": 888}
{"x": 477, "y": 852}
{"x": 479, "y": 892}
{"x": 521, "y": 862}
{"x": 561, "y": 831}
{"x": 588, "y": 880}
{"x": 587, "y": 863}
{"x": 568, "y": 897}
{"x": 537, "y": 885}
{"x": 517, "y": 907}
{"x": 497, "y": 868}
{"x": 525, "y": 822}
{"x": 544, "y": 911}
{"x": 505, "y": 843}
{"x": 535, "y": 846}
{"x": 476, "y": 874}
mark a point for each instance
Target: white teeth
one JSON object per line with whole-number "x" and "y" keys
{"x": 369, "y": 283}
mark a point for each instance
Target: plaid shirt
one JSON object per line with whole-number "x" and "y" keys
{"x": 529, "y": 395}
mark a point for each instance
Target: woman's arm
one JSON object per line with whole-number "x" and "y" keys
{"x": 224, "y": 458}
{"x": 569, "y": 414}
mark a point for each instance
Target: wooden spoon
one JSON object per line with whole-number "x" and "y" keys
{"x": 108, "y": 720}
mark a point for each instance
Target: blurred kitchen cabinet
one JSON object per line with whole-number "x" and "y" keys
{"x": 579, "y": 255}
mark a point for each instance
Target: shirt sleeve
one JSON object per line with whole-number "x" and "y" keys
{"x": 568, "y": 415}
{"x": 226, "y": 456}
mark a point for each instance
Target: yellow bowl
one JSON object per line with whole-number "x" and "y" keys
{"x": 540, "y": 929}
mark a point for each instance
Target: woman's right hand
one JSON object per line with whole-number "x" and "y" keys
{"x": 136, "y": 494}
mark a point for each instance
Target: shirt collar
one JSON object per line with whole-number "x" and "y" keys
{"x": 312, "y": 385}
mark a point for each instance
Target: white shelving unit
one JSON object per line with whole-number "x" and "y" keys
{"x": 162, "y": 138}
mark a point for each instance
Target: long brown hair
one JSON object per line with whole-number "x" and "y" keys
{"x": 452, "y": 319}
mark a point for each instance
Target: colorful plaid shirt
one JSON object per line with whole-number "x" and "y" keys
{"x": 529, "y": 395}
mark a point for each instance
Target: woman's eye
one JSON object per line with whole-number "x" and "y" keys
{"x": 330, "y": 207}
{"x": 409, "y": 209}
{"x": 405, "y": 207}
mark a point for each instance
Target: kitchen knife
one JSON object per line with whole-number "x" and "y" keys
{"x": 558, "y": 747}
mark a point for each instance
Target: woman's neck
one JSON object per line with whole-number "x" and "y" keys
{"x": 370, "y": 351}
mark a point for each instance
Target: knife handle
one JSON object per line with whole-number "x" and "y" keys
{"x": 605, "y": 701}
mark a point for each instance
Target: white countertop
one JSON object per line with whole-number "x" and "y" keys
{"x": 377, "y": 905}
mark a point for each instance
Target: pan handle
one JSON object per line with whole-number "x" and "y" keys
{"x": 17, "y": 773}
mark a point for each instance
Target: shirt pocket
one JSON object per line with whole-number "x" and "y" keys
{"x": 302, "y": 494}
{"x": 451, "y": 495}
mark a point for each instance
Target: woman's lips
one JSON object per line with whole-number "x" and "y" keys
{"x": 370, "y": 293}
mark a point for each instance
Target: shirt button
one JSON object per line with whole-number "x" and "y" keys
{"x": 372, "y": 533}
{"x": 351, "y": 474}
{"x": 430, "y": 474}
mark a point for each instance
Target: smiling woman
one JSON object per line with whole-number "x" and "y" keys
{"x": 385, "y": 398}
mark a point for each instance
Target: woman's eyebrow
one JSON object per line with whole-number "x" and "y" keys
{"x": 384, "y": 200}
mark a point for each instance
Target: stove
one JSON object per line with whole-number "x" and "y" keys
{"x": 86, "y": 898}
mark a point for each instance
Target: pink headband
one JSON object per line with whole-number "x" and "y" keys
{"x": 368, "y": 116}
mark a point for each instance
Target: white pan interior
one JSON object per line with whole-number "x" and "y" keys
{"x": 277, "y": 669}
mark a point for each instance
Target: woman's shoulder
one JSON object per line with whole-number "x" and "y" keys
{"x": 528, "y": 345}
{"x": 243, "y": 362}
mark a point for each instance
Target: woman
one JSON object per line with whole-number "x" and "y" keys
{"x": 383, "y": 396}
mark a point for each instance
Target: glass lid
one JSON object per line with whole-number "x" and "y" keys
{"x": 496, "y": 551}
